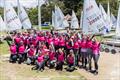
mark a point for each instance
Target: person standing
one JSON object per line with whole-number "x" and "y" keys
{"x": 96, "y": 54}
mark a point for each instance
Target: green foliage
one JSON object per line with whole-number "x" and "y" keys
{"x": 33, "y": 15}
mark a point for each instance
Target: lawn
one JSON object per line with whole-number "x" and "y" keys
{"x": 24, "y": 72}
{"x": 4, "y": 48}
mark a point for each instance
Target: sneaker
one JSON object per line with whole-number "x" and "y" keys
{"x": 96, "y": 72}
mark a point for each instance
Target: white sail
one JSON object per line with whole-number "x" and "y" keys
{"x": 2, "y": 25}
{"x": 109, "y": 23}
{"x": 12, "y": 20}
{"x": 114, "y": 20}
{"x": 60, "y": 22}
{"x": 104, "y": 16}
{"x": 92, "y": 20}
{"x": 63, "y": 20}
{"x": 24, "y": 17}
{"x": 57, "y": 19}
{"x": 81, "y": 20}
{"x": 118, "y": 23}
{"x": 74, "y": 21}
{"x": 53, "y": 19}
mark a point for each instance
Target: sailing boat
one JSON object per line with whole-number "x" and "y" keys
{"x": 74, "y": 21}
{"x": 93, "y": 23}
{"x": 12, "y": 20}
{"x": 116, "y": 40}
{"x": 2, "y": 25}
{"x": 23, "y": 17}
{"x": 60, "y": 22}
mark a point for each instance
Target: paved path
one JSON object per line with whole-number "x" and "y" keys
{"x": 109, "y": 68}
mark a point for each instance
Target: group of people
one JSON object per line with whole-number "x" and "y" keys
{"x": 54, "y": 49}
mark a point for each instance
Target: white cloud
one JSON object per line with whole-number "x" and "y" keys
{"x": 25, "y": 3}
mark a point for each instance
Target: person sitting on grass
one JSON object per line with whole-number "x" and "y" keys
{"x": 13, "y": 55}
{"x": 52, "y": 58}
{"x": 60, "y": 60}
{"x": 40, "y": 62}
{"x": 21, "y": 52}
{"x": 31, "y": 55}
{"x": 70, "y": 61}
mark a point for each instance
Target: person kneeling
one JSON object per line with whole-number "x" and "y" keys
{"x": 40, "y": 62}
{"x": 31, "y": 55}
{"x": 60, "y": 60}
{"x": 13, "y": 56}
{"x": 70, "y": 60}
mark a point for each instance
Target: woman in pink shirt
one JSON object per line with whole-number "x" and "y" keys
{"x": 60, "y": 60}
{"x": 89, "y": 50}
{"x": 56, "y": 42}
{"x": 21, "y": 53}
{"x": 71, "y": 59}
{"x": 61, "y": 42}
{"x": 84, "y": 52}
{"x": 96, "y": 54}
{"x": 31, "y": 55}
{"x": 52, "y": 58}
{"x": 40, "y": 62}
{"x": 76, "y": 51}
{"x": 13, "y": 51}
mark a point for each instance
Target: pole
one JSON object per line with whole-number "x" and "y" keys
{"x": 39, "y": 15}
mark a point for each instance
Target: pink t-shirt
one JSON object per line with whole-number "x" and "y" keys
{"x": 13, "y": 49}
{"x": 50, "y": 40}
{"x": 68, "y": 46}
{"x": 76, "y": 45}
{"x": 89, "y": 44}
{"x": 56, "y": 41}
{"x": 83, "y": 44}
{"x": 40, "y": 58}
{"x": 71, "y": 59}
{"x": 95, "y": 48}
{"x": 62, "y": 42}
{"x": 17, "y": 39}
{"x": 21, "y": 49}
{"x": 52, "y": 55}
{"x": 61, "y": 57}
{"x": 34, "y": 42}
{"x": 31, "y": 52}
{"x": 42, "y": 38}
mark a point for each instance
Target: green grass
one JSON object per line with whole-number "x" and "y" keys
{"x": 4, "y": 48}
{"x": 23, "y": 72}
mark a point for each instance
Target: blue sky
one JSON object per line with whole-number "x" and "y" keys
{"x": 25, "y": 3}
